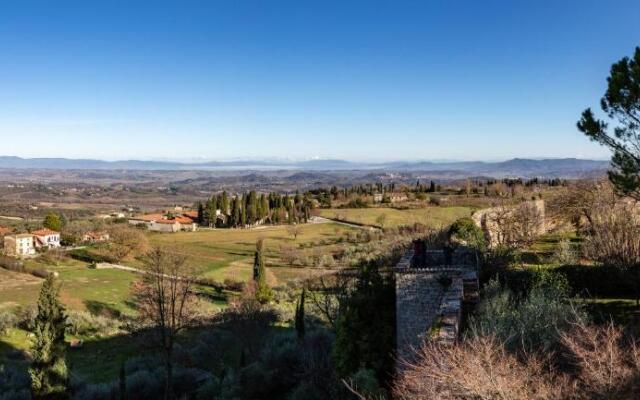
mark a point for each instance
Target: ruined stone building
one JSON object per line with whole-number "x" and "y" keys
{"x": 510, "y": 224}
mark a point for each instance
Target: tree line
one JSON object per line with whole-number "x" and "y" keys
{"x": 243, "y": 209}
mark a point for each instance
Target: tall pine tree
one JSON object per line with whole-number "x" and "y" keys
{"x": 48, "y": 371}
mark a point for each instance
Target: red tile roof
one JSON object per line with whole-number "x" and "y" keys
{"x": 162, "y": 219}
{"x": 150, "y": 217}
{"x": 184, "y": 220}
{"x": 45, "y": 232}
{"x": 4, "y": 231}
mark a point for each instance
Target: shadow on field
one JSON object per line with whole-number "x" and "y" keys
{"x": 102, "y": 309}
{"x": 12, "y": 355}
{"x": 621, "y": 311}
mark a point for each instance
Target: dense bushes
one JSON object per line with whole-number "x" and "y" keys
{"x": 582, "y": 280}
{"x": 16, "y": 265}
{"x": 355, "y": 203}
{"x": 8, "y": 320}
{"x": 85, "y": 324}
{"x": 26, "y": 317}
{"x": 526, "y": 323}
{"x": 285, "y": 367}
{"x": 144, "y": 381}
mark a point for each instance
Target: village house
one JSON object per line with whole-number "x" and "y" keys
{"x": 46, "y": 238}
{"x": 397, "y": 197}
{"x": 19, "y": 245}
{"x": 165, "y": 223}
{"x": 95, "y": 237}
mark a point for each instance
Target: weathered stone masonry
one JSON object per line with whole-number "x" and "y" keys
{"x": 431, "y": 289}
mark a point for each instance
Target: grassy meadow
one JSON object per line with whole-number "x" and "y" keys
{"x": 220, "y": 254}
{"x": 81, "y": 288}
{"x": 223, "y": 254}
{"x": 435, "y": 217}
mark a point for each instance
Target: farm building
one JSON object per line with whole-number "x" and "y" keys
{"x": 46, "y": 238}
{"x": 165, "y": 223}
{"x": 95, "y": 237}
{"x": 19, "y": 245}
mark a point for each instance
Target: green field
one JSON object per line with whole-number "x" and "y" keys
{"x": 220, "y": 254}
{"x": 82, "y": 288}
{"x": 18, "y": 289}
{"x": 435, "y": 217}
{"x": 228, "y": 253}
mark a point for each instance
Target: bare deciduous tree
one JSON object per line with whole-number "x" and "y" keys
{"x": 288, "y": 254}
{"x": 606, "y": 365}
{"x": 615, "y": 240}
{"x": 294, "y": 230}
{"x": 327, "y": 293}
{"x": 513, "y": 226}
{"x": 166, "y": 302}
{"x": 580, "y": 201}
{"x": 478, "y": 369}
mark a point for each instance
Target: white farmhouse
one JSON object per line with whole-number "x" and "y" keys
{"x": 19, "y": 245}
{"x": 46, "y": 238}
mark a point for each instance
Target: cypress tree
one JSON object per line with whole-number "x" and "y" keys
{"x": 224, "y": 202}
{"x": 257, "y": 260}
{"x": 299, "y": 318}
{"x": 263, "y": 292}
{"x": 200, "y": 213}
{"x": 212, "y": 207}
{"x": 265, "y": 206}
{"x": 49, "y": 371}
{"x": 236, "y": 212}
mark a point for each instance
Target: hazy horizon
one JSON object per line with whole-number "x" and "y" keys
{"x": 357, "y": 80}
{"x": 196, "y": 160}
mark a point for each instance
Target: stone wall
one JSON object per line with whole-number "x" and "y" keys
{"x": 418, "y": 297}
{"x": 430, "y": 298}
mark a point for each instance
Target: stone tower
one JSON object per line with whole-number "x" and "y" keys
{"x": 432, "y": 288}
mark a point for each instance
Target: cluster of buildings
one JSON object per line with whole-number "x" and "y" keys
{"x": 170, "y": 222}
{"x": 392, "y": 197}
{"x": 26, "y": 244}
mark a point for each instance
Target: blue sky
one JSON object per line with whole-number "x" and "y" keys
{"x": 360, "y": 80}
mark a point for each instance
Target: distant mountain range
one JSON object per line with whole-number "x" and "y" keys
{"x": 517, "y": 167}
